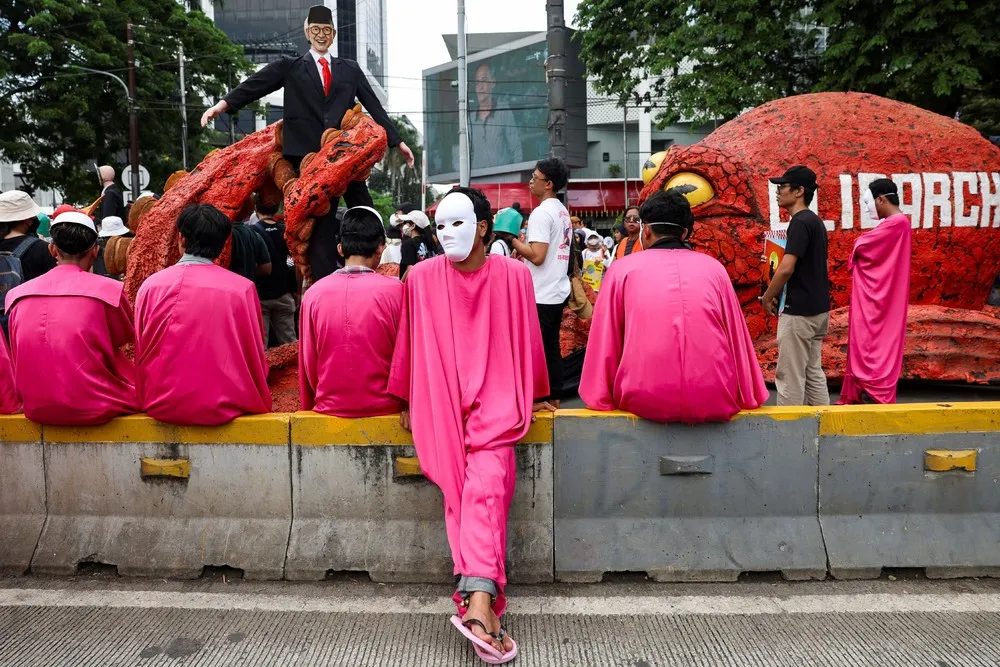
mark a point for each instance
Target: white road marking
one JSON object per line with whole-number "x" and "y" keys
{"x": 532, "y": 605}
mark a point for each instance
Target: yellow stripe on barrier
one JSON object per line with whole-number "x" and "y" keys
{"x": 177, "y": 468}
{"x": 270, "y": 429}
{"x": 910, "y": 419}
{"x": 942, "y": 460}
{"x": 310, "y": 429}
{"x": 17, "y": 428}
{"x": 770, "y": 412}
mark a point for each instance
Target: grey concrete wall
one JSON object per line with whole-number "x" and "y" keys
{"x": 22, "y": 494}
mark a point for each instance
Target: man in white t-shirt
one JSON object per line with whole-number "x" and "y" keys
{"x": 547, "y": 254}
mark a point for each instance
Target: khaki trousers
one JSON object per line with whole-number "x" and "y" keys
{"x": 800, "y": 378}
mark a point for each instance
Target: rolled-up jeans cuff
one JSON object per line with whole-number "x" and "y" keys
{"x": 467, "y": 585}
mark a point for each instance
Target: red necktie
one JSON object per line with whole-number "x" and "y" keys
{"x": 326, "y": 75}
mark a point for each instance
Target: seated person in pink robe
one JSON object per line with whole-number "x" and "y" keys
{"x": 880, "y": 297}
{"x": 67, "y": 330}
{"x": 668, "y": 341}
{"x": 199, "y": 333}
{"x": 469, "y": 361}
{"x": 10, "y": 402}
{"x": 348, "y": 327}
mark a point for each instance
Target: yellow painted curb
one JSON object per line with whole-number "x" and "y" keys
{"x": 179, "y": 468}
{"x": 17, "y": 428}
{"x": 407, "y": 466}
{"x": 941, "y": 460}
{"x": 270, "y": 429}
{"x": 310, "y": 429}
{"x": 910, "y": 419}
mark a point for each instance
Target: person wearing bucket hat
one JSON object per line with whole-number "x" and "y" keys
{"x": 19, "y": 223}
{"x": 67, "y": 331}
{"x": 506, "y": 228}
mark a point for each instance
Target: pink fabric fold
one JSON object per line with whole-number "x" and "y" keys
{"x": 880, "y": 294}
{"x": 669, "y": 343}
{"x": 10, "y": 402}
{"x": 469, "y": 360}
{"x": 67, "y": 331}
{"x": 200, "y": 346}
{"x": 347, "y": 333}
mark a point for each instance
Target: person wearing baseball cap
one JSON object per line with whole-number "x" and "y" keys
{"x": 470, "y": 364}
{"x": 19, "y": 224}
{"x": 880, "y": 295}
{"x": 419, "y": 244}
{"x": 67, "y": 331}
{"x": 804, "y": 322}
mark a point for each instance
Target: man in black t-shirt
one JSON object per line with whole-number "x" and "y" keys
{"x": 803, "y": 324}
{"x": 278, "y": 289}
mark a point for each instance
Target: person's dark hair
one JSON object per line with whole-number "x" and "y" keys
{"x": 205, "y": 230}
{"x": 555, "y": 170}
{"x": 361, "y": 233}
{"x": 262, "y": 207}
{"x": 633, "y": 208}
{"x": 481, "y": 205}
{"x": 516, "y": 206}
{"x": 808, "y": 195}
{"x": 667, "y": 207}
{"x": 394, "y": 232}
{"x": 72, "y": 239}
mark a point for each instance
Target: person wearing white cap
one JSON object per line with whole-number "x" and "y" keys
{"x": 418, "y": 244}
{"x": 469, "y": 361}
{"x": 67, "y": 331}
{"x": 111, "y": 227}
{"x": 18, "y": 223}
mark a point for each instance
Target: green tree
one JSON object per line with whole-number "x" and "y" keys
{"x": 705, "y": 59}
{"x": 59, "y": 121}
{"x": 713, "y": 59}
{"x": 392, "y": 175}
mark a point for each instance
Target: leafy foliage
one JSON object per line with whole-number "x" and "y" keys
{"x": 59, "y": 121}
{"x": 393, "y": 176}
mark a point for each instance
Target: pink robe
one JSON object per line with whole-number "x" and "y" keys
{"x": 10, "y": 402}
{"x": 469, "y": 360}
{"x": 669, "y": 342}
{"x": 67, "y": 328}
{"x": 347, "y": 332}
{"x": 880, "y": 293}
{"x": 200, "y": 346}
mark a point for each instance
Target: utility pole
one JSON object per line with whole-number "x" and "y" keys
{"x": 232, "y": 118}
{"x": 184, "y": 115}
{"x": 555, "y": 70}
{"x": 625, "y": 148}
{"x": 133, "y": 116}
{"x": 463, "y": 99}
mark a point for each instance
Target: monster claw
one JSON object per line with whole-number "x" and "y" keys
{"x": 288, "y": 186}
{"x": 330, "y": 136}
{"x": 306, "y": 160}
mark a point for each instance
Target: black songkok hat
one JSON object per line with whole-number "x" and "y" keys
{"x": 320, "y": 15}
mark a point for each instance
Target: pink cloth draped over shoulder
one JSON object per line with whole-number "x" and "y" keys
{"x": 669, "y": 343}
{"x": 347, "y": 333}
{"x": 67, "y": 330}
{"x": 880, "y": 296}
{"x": 10, "y": 402}
{"x": 469, "y": 361}
{"x": 200, "y": 346}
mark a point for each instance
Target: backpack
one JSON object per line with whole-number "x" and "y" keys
{"x": 12, "y": 275}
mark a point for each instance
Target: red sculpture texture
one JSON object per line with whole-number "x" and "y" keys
{"x": 949, "y": 179}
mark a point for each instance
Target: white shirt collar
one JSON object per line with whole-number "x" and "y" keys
{"x": 316, "y": 56}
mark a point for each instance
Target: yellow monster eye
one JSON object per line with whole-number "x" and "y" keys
{"x": 703, "y": 189}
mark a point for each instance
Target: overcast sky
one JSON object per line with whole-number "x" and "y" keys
{"x": 415, "y": 44}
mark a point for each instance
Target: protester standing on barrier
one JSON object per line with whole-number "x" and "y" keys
{"x": 702, "y": 366}
{"x": 803, "y": 324}
{"x": 198, "y": 327}
{"x": 880, "y": 295}
{"x": 469, "y": 361}
{"x": 349, "y": 322}
{"x": 546, "y": 249}
{"x": 67, "y": 331}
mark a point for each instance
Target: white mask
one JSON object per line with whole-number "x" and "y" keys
{"x": 407, "y": 228}
{"x": 869, "y": 201}
{"x": 456, "y": 239}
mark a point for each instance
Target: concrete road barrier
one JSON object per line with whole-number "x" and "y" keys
{"x": 158, "y": 500}
{"x": 896, "y": 489}
{"x": 360, "y": 504}
{"x": 684, "y": 503}
{"x": 22, "y": 492}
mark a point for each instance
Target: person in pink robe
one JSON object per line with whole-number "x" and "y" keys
{"x": 470, "y": 363}
{"x": 10, "y": 402}
{"x": 348, "y": 327}
{"x": 67, "y": 331}
{"x": 880, "y": 295}
{"x": 199, "y": 333}
{"x": 668, "y": 341}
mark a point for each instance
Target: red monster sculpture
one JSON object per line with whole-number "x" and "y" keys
{"x": 949, "y": 180}
{"x": 227, "y": 179}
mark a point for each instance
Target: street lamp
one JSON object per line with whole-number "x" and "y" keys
{"x": 132, "y": 121}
